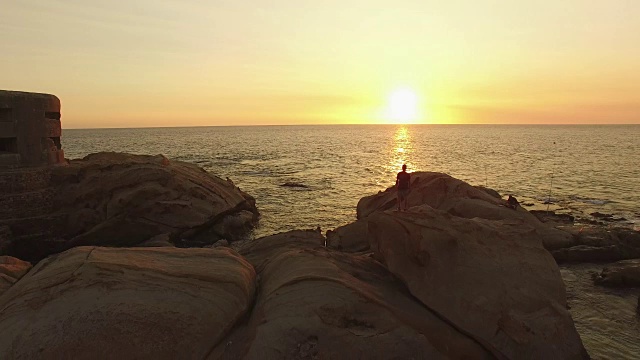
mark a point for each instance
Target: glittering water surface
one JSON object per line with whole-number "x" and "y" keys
{"x": 581, "y": 169}
{"x": 606, "y": 319}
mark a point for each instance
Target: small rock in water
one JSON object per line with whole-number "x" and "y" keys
{"x": 295, "y": 185}
{"x": 601, "y": 215}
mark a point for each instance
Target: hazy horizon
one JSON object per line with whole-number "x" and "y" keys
{"x": 172, "y": 63}
{"x": 343, "y": 124}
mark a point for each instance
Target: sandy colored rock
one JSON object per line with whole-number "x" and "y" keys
{"x": 316, "y": 303}
{"x": 489, "y": 278}
{"x": 116, "y": 199}
{"x": 11, "y": 270}
{"x": 624, "y": 273}
{"x": 443, "y": 192}
{"x": 111, "y": 303}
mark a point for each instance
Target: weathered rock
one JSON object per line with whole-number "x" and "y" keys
{"x": 154, "y": 303}
{"x": 624, "y": 273}
{"x": 349, "y": 238}
{"x": 11, "y": 270}
{"x": 490, "y": 279}
{"x": 315, "y": 303}
{"x": 115, "y": 199}
{"x": 443, "y": 192}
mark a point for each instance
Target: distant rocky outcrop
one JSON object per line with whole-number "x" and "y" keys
{"x": 116, "y": 199}
{"x": 458, "y": 198}
{"x": 598, "y": 244}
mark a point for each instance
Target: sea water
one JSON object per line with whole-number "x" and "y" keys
{"x": 579, "y": 169}
{"x": 571, "y": 169}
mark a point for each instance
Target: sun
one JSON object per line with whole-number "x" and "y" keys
{"x": 402, "y": 106}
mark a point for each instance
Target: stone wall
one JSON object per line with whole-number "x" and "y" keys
{"x": 30, "y": 129}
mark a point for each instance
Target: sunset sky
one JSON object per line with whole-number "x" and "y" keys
{"x": 194, "y": 62}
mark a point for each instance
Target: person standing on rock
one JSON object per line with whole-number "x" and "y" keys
{"x": 403, "y": 180}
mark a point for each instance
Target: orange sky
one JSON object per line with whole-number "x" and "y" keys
{"x": 189, "y": 63}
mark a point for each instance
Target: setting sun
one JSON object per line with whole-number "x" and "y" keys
{"x": 402, "y": 106}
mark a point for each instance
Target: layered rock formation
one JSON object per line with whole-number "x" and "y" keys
{"x": 115, "y": 199}
{"x": 463, "y": 278}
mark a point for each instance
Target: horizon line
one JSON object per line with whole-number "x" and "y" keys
{"x": 390, "y": 124}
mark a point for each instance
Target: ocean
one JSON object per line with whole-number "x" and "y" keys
{"x": 577, "y": 169}
{"x": 569, "y": 169}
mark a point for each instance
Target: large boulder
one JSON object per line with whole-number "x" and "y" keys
{"x": 116, "y": 199}
{"x": 489, "y": 278}
{"x": 443, "y": 192}
{"x": 110, "y": 303}
{"x": 316, "y": 303}
{"x": 11, "y": 270}
{"x": 624, "y": 273}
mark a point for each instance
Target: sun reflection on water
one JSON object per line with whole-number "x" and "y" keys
{"x": 401, "y": 150}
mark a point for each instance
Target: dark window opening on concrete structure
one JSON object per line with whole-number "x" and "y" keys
{"x": 56, "y": 140}
{"x": 9, "y": 145}
{"x": 52, "y": 115}
{"x": 5, "y": 115}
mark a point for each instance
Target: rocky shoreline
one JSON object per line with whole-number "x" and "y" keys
{"x": 145, "y": 257}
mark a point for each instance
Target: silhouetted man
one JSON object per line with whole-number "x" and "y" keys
{"x": 403, "y": 180}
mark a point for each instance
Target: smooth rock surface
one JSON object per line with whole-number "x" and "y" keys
{"x": 624, "y": 273}
{"x": 117, "y": 199}
{"x": 352, "y": 237}
{"x": 316, "y": 303}
{"x": 11, "y": 270}
{"x": 443, "y": 192}
{"x": 489, "y": 278}
{"x": 111, "y": 303}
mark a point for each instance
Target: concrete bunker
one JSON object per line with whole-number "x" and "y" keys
{"x": 30, "y": 129}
